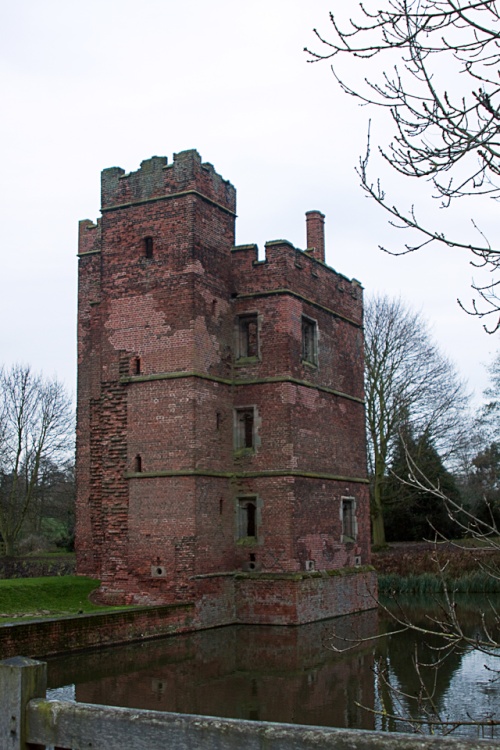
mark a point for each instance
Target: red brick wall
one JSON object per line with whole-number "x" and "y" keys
{"x": 285, "y": 267}
{"x": 158, "y": 475}
{"x": 48, "y": 637}
{"x": 301, "y": 598}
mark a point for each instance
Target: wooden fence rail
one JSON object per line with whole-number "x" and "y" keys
{"x": 28, "y": 721}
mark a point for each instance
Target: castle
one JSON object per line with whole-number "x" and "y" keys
{"x": 220, "y": 438}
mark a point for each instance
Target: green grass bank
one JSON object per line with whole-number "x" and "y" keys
{"x": 46, "y": 597}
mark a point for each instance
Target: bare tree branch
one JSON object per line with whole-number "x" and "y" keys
{"x": 439, "y": 80}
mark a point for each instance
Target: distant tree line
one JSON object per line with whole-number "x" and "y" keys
{"x": 36, "y": 462}
{"x": 418, "y": 415}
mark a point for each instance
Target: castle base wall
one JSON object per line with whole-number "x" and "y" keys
{"x": 258, "y": 598}
{"x": 215, "y": 602}
{"x": 301, "y": 598}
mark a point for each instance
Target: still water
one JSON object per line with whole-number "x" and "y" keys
{"x": 323, "y": 674}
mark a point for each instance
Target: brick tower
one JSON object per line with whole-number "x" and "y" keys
{"x": 220, "y": 440}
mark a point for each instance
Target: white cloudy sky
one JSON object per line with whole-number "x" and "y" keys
{"x": 100, "y": 83}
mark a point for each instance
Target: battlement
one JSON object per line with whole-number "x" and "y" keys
{"x": 156, "y": 179}
{"x": 303, "y": 271}
{"x": 89, "y": 237}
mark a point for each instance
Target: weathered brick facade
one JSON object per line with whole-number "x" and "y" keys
{"x": 220, "y": 407}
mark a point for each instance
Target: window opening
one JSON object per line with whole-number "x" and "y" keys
{"x": 138, "y": 464}
{"x": 348, "y": 520}
{"x": 309, "y": 339}
{"x": 248, "y": 336}
{"x": 251, "y": 509}
{"x": 244, "y": 428}
{"x": 137, "y": 366}
{"x": 247, "y": 520}
{"x": 148, "y": 247}
{"x": 217, "y": 420}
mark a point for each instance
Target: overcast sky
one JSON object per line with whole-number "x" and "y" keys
{"x": 101, "y": 83}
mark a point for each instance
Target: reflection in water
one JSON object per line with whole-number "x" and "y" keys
{"x": 284, "y": 674}
{"x": 287, "y": 674}
{"x": 450, "y": 684}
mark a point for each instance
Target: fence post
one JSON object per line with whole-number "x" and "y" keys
{"x": 21, "y": 679}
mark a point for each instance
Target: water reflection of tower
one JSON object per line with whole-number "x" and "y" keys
{"x": 261, "y": 673}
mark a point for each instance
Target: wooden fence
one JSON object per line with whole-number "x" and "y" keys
{"x": 28, "y": 721}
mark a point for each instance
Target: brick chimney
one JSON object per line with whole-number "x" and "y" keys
{"x": 315, "y": 230}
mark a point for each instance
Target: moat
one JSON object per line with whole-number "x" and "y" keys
{"x": 287, "y": 674}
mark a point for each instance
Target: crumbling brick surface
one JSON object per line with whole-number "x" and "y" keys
{"x": 202, "y": 452}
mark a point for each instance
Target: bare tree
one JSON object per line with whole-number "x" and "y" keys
{"x": 490, "y": 416}
{"x": 446, "y": 630}
{"x": 36, "y": 426}
{"x": 436, "y": 71}
{"x": 444, "y": 633}
{"x": 407, "y": 382}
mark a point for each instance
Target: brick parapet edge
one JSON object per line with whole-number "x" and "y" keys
{"x": 52, "y": 636}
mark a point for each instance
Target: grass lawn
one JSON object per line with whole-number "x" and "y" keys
{"x": 22, "y": 598}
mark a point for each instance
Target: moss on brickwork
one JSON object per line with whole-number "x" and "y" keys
{"x": 350, "y": 571}
{"x": 304, "y": 575}
{"x": 247, "y": 541}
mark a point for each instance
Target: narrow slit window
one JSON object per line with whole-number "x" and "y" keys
{"x": 137, "y": 366}
{"x": 348, "y": 520}
{"x": 148, "y": 247}
{"x": 251, "y": 510}
{"x": 309, "y": 341}
{"x": 138, "y": 464}
{"x": 248, "y": 336}
{"x": 245, "y": 428}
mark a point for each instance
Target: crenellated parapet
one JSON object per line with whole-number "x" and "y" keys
{"x": 89, "y": 237}
{"x": 301, "y": 272}
{"x": 156, "y": 179}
